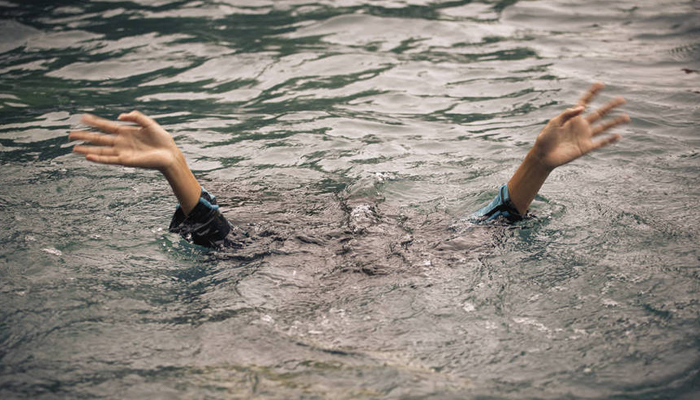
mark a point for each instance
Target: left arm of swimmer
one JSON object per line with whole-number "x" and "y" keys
{"x": 565, "y": 138}
{"x": 147, "y": 145}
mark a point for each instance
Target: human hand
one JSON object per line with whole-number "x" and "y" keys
{"x": 147, "y": 145}
{"x": 570, "y": 135}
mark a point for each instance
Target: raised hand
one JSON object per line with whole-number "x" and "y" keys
{"x": 564, "y": 139}
{"x": 147, "y": 145}
{"x": 571, "y": 135}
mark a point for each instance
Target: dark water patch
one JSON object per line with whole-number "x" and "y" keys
{"x": 34, "y": 151}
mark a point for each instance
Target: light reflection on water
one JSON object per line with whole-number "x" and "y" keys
{"x": 348, "y": 138}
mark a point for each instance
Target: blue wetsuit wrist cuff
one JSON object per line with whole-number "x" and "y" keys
{"x": 501, "y": 206}
{"x": 206, "y": 200}
{"x": 508, "y": 205}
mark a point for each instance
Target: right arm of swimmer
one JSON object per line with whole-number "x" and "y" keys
{"x": 566, "y": 138}
{"x": 147, "y": 145}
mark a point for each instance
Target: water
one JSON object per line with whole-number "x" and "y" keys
{"x": 349, "y": 137}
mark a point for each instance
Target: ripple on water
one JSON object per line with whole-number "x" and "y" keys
{"x": 349, "y": 139}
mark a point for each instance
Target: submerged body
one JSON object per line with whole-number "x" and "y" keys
{"x": 564, "y": 139}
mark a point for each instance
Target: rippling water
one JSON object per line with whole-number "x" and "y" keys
{"x": 348, "y": 137}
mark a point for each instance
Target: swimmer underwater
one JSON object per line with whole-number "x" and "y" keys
{"x": 568, "y": 136}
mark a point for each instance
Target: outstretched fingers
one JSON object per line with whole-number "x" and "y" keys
{"x": 590, "y": 93}
{"x": 98, "y": 154}
{"x": 95, "y": 150}
{"x": 91, "y": 137}
{"x": 605, "y": 141}
{"x": 138, "y": 118}
{"x": 103, "y": 159}
{"x": 623, "y": 119}
{"x": 102, "y": 124}
{"x": 603, "y": 111}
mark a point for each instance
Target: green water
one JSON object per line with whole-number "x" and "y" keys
{"x": 349, "y": 138}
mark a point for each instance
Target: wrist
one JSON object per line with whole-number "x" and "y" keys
{"x": 527, "y": 181}
{"x": 175, "y": 166}
{"x": 536, "y": 159}
{"x": 182, "y": 182}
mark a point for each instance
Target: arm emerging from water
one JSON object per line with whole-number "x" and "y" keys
{"x": 565, "y": 138}
{"x": 147, "y": 145}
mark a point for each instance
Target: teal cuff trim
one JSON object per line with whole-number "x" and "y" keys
{"x": 501, "y": 206}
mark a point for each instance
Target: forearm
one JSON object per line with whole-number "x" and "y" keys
{"x": 565, "y": 138}
{"x": 183, "y": 183}
{"x": 527, "y": 181}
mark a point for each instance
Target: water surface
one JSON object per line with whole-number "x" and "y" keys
{"x": 349, "y": 138}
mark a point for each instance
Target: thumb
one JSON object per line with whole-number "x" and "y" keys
{"x": 570, "y": 113}
{"x": 137, "y": 117}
